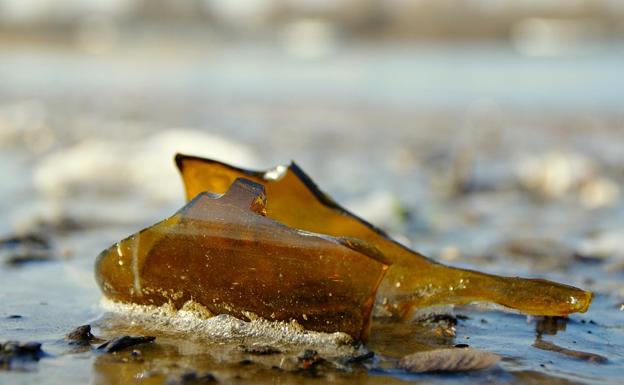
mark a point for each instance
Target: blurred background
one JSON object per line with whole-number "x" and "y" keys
{"x": 483, "y": 133}
{"x": 392, "y": 106}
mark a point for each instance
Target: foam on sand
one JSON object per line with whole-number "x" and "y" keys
{"x": 198, "y": 322}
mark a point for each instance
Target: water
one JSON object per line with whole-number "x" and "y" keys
{"x": 410, "y": 75}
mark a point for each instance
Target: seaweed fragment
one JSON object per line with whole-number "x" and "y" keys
{"x": 223, "y": 252}
{"x": 413, "y": 280}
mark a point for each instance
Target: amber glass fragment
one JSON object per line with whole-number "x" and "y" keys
{"x": 412, "y": 280}
{"x": 224, "y": 253}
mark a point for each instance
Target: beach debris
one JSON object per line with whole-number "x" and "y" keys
{"x": 191, "y": 378}
{"x": 14, "y": 353}
{"x": 448, "y": 320}
{"x": 550, "y": 325}
{"x": 224, "y": 253}
{"x": 120, "y": 343}
{"x": 21, "y": 249}
{"x": 32, "y": 240}
{"x": 578, "y": 354}
{"x": 80, "y": 335}
{"x": 444, "y": 325}
{"x": 261, "y": 350}
{"x": 448, "y": 360}
{"x": 413, "y": 281}
{"x": 361, "y": 358}
{"x": 554, "y": 175}
{"x": 309, "y": 359}
{"x": 20, "y": 259}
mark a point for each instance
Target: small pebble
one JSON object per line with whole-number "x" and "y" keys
{"x": 13, "y": 351}
{"x": 82, "y": 334}
{"x": 121, "y": 343}
{"x": 448, "y": 360}
{"x": 309, "y": 359}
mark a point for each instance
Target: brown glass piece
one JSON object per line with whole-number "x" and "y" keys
{"x": 413, "y": 280}
{"x": 224, "y": 253}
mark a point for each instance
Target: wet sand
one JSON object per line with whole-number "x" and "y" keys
{"x": 530, "y": 187}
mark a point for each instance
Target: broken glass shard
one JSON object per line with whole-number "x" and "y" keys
{"x": 223, "y": 252}
{"x": 413, "y": 280}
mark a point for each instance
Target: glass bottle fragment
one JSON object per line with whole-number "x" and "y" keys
{"x": 224, "y": 253}
{"x": 413, "y": 280}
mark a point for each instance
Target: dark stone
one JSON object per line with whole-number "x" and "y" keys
{"x": 446, "y": 319}
{"x": 18, "y": 250}
{"x": 361, "y": 358}
{"x": 28, "y": 256}
{"x": 589, "y": 259}
{"x": 309, "y": 359}
{"x": 121, "y": 343}
{"x": 13, "y": 351}
{"x": 80, "y": 335}
{"x": 32, "y": 240}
